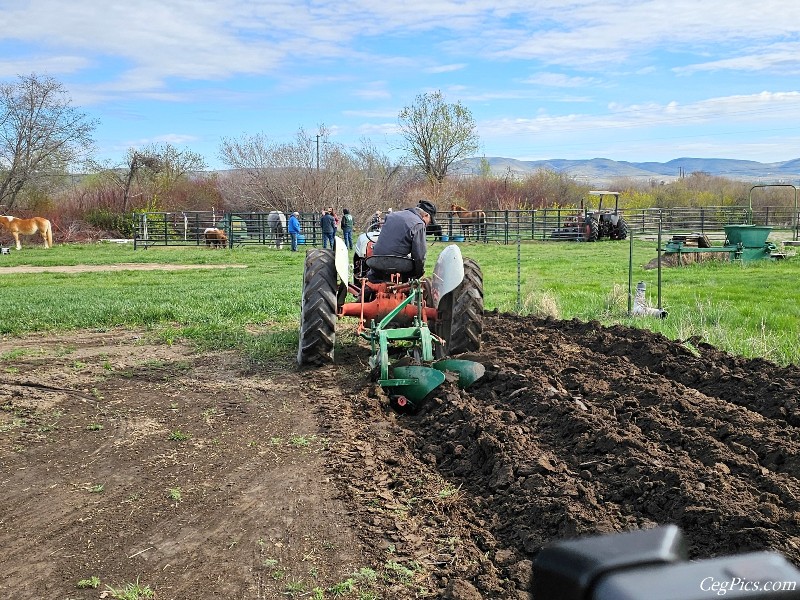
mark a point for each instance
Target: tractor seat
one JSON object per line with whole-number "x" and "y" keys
{"x": 391, "y": 264}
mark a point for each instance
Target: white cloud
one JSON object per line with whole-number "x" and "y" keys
{"x": 783, "y": 58}
{"x": 368, "y": 129}
{"x": 589, "y": 34}
{"x": 51, "y": 65}
{"x": 372, "y": 114}
{"x": 761, "y": 107}
{"x": 560, "y": 80}
{"x": 445, "y": 68}
{"x": 216, "y": 39}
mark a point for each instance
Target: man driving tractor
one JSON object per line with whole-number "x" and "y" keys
{"x": 403, "y": 234}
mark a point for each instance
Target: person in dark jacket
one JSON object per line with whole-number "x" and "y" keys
{"x": 328, "y": 225}
{"x": 403, "y": 234}
{"x": 347, "y": 228}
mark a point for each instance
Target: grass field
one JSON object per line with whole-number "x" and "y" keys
{"x": 748, "y": 309}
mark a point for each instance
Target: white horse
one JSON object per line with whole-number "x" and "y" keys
{"x": 277, "y": 226}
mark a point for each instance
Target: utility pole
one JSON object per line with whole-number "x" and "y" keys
{"x": 318, "y": 136}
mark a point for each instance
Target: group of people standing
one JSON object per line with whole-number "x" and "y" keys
{"x": 330, "y": 222}
{"x": 402, "y": 233}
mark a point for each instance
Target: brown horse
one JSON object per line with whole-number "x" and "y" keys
{"x": 470, "y": 219}
{"x": 30, "y": 226}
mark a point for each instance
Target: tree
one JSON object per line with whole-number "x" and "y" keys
{"x": 437, "y": 134}
{"x": 156, "y": 169}
{"x": 257, "y": 179}
{"x": 41, "y": 134}
{"x": 280, "y": 176}
{"x": 266, "y": 175}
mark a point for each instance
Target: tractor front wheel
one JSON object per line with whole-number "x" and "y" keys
{"x": 318, "y": 309}
{"x": 591, "y": 230}
{"x": 461, "y": 313}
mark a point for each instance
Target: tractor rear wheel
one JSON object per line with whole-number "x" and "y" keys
{"x": 461, "y": 312}
{"x": 318, "y": 309}
{"x": 621, "y": 230}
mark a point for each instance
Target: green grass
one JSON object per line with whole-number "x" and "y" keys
{"x": 90, "y": 583}
{"x": 131, "y": 591}
{"x": 748, "y": 309}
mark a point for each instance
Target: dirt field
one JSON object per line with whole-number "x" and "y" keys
{"x": 201, "y": 476}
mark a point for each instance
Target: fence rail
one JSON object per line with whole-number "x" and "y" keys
{"x": 500, "y": 226}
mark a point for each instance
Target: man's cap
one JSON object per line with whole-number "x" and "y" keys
{"x": 296, "y": 214}
{"x": 429, "y": 208}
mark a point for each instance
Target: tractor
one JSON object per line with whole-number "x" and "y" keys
{"x": 591, "y": 225}
{"x": 414, "y": 326}
{"x": 600, "y": 223}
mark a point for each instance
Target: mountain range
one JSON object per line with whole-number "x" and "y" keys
{"x": 601, "y": 170}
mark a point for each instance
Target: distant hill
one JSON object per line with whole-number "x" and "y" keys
{"x": 600, "y": 170}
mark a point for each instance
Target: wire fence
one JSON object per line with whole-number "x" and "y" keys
{"x": 495, "y": 226}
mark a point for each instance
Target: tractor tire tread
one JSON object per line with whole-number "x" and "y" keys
{"x": 621, "y": 230}
{"x": 466, "y": 324}
{"x": 318, "y": 309}
{"x": 592, "y": 230}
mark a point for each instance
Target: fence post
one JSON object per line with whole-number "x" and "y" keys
{"x": 519, "y": 275}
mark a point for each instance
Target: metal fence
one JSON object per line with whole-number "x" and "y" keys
{"x": 241, "y": 228}
{"x": 499, "y": 226}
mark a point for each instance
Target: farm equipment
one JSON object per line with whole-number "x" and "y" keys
{"x": 414, "y": 326}
{"x": 593, "y": 224}
{"x": 742, "y": 242}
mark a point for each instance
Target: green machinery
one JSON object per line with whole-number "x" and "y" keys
{"x": 744, "y": 243}
{"x": 407, "y": 385}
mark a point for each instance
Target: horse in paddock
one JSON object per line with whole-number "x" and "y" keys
{"x": 215, "y": 238}
{"x": 470, "y": 219}
{"x": 277, "y": 226}
{"x": 30, "y": 226}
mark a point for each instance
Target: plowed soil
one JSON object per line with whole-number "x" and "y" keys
{"x": 199, "y": 476}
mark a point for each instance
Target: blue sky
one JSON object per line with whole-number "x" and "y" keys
{"x": 647, "y": 80}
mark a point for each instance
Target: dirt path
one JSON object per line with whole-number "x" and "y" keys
{"x": 223, "y": 480}
{"x": 130, "y": 460}
{"x": 114, "y": 267}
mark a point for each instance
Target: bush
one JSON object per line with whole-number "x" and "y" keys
{"x": 103, "y": 218}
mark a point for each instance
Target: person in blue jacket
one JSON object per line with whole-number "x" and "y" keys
{"x": 294, "y": 229}
{"x": 328, "y": 225}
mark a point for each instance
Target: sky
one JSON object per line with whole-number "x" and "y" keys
{"x": 649, "y": 80}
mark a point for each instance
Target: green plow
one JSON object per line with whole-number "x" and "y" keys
{"x": 410, "y": 384}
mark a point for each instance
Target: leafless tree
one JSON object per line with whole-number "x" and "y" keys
{"x": 253, "y": 180}
{"x": 41, "y": 134}
{"x": 437, "y": 134}
{"x": 151, "y": 171}
{"x": 309, "y": 174}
